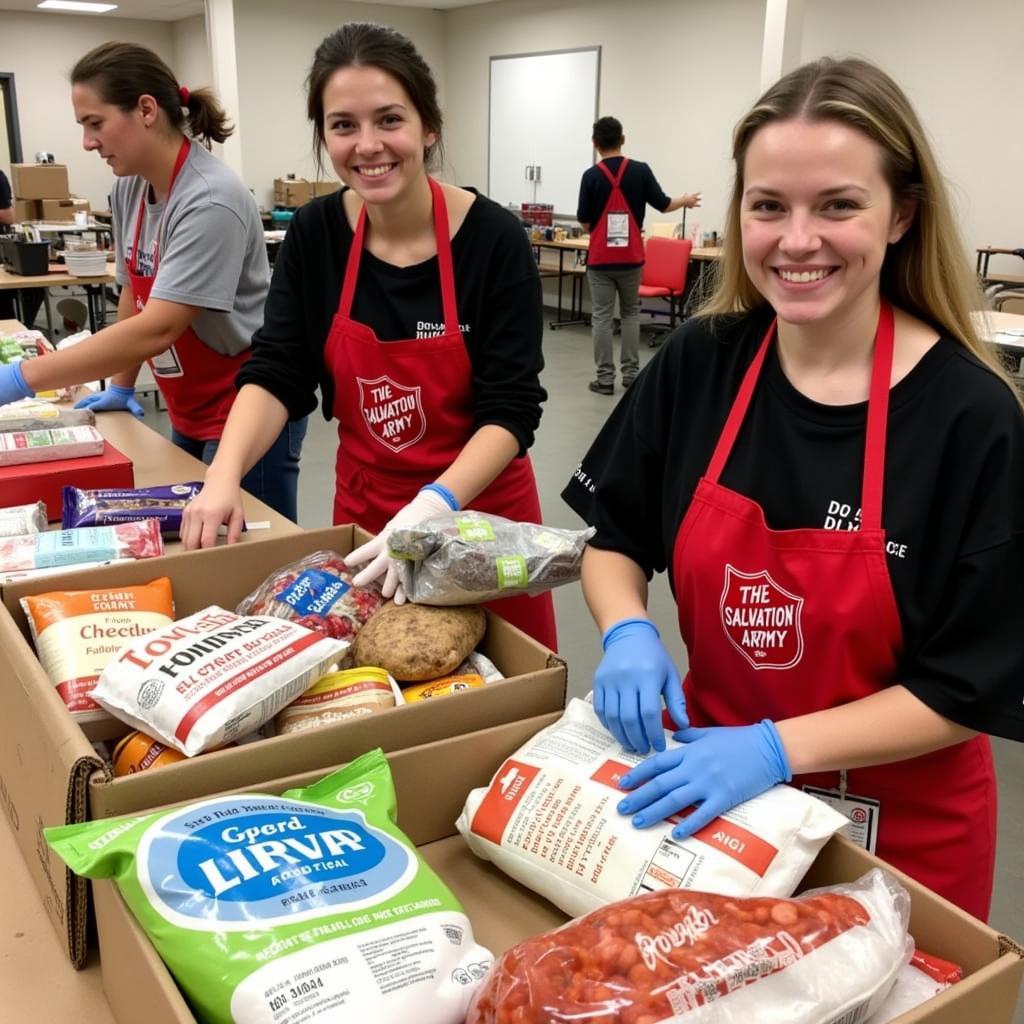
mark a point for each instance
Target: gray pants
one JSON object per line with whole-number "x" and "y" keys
{"x": 604, "y": 286}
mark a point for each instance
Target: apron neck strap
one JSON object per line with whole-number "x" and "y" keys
{"x": 444, "y": 261}
{"x": 877, "y": 418}
{"x": 615, "y": 179}
{"x": 179, "y": 162}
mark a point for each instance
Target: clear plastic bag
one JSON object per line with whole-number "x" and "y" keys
{"x": 828, "y": 956}
{"x": 468, "y": 557}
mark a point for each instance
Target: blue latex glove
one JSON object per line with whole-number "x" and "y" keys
{"x": 114, "y": 399}
{"x": 717, "y": 769}
{"x": 12, "y": 384}
{"x": 635, "y": 673}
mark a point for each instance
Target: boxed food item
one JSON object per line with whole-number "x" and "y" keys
{"x": 432, "y": 780}
{"x": 52, "y": 774}
{"x": 23, "y": 447}
{"x": 39, "y": 181}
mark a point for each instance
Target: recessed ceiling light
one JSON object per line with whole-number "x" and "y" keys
{"x": 76, "y": 5}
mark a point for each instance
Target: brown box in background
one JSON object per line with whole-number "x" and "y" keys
{"x": 50, "y": 774}
{"x": 27, "y": 209}
{"x": 39, "y": 181}
{"x": 292, "y": 191}
{"x": 432, "y": 781}
{"x": 325, "y": 188}
{"x": 60, "y": 210}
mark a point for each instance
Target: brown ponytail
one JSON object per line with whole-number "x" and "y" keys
{"x": 122, "y": 72}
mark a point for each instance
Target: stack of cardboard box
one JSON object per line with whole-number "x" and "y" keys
{"x": 41, "y": 193}
{"x": 292, "y": 192}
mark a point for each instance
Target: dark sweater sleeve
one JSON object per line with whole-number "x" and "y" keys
{"x": 585, "y": 206}
{"x": 284, "y": 360}
{"x": 653, "y": 192}
{"x": 5, "y": 192}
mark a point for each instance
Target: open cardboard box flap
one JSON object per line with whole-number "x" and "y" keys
{"x": 432, "y": 782}
{"x": 49, "y": 772}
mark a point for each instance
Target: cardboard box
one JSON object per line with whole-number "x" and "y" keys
{"x": 60, "y": 210}
{"x": 325, "y": 188}
{"x": 49, "y": 772}
{"x": 27, "y": 209}
{"x": 39, "y": 181}
{"x": 432, "y": 781}
{"x": 44, "y": 481}
{"x": 292, "y": 192}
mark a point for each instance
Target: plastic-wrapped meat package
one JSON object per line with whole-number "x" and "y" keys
{"x": 549, "y": 820}
{"x": 317, "y": 592}
{"x": 166, "y": 504}
{"x": 826, "y": 957}
{"x": 22, "y": 447}
{"x": 56, "y": 548}
{"x": 468, "y": 558}
{"x": 19, "y": 520}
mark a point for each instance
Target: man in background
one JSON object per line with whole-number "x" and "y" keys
{"x": 614, "y": 194}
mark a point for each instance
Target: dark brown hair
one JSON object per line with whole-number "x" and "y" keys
{"x": 363, "y": 44}
{"x": 122, "y": 72}
{"x": 607, "y": 133}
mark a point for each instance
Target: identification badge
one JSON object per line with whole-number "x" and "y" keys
{"x": 862, "y": 811}
{"x": 618, "y": 230}
{"x": 166, "y": 364}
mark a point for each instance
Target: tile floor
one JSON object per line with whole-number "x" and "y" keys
{"x": 572, "y": 417}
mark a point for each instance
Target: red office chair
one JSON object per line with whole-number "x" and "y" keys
{"x": 666, "y": 261}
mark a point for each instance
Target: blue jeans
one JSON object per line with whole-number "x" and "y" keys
{"x": 275, "y": 478}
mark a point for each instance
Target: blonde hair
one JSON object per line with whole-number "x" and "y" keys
{"x": 926, "y": 272}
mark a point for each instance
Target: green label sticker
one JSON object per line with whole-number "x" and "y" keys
{"x": 511, "y": 572}
{"x": 474, "y": 528}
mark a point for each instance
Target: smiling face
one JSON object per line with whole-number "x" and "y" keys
{"x": 816, "y": 218}
{"x": 118, "y": 137}
{"x": 374, "y": 134}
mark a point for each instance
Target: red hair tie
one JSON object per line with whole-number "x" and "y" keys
{"x": 184, "y": 94}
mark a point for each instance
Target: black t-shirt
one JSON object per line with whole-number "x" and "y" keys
{"x": 639, "y": 187}
{"x": 5, "y": 192}
{"x": 497, "y": 289}
{"x": 953, "y": 503}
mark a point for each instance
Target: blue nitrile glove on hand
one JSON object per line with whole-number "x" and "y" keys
{"x": 12, "y": 384}
{"x": 635, "y": 673}
{"x": 432, "y": 500}
{"x": 717, "y": 769}
{"x": 114, "y": 399}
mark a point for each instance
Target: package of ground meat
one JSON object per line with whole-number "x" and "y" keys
{"x": 20, "y": 447}
{"x": 18, "y": 520}
{"x": 212, "y": 677}
{"x": 77, "y": 632}
{"x": 549, "y": 820}
{"x": 307, "y": 908}
{"x": 827, "y": 957}
{"x": 55, "y": 548}
{"x": 468, "y": 557}
{"x": 316, "y": 592}
{"x": 165, "y": 504}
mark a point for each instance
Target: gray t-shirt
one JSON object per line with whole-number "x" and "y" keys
{"x": 212, "y": 252}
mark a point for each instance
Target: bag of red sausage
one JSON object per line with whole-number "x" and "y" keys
{"x": 316, "y": 592}
{"x": 828, "y": 956}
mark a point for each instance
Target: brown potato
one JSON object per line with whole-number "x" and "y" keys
{"x": 415, "y": 642}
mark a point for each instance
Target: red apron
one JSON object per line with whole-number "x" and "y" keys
{"x": 615, "y": 238}
{"x": 405, "y": 411}
{"x": 781, "y": 623}
{"x": 198, "y": 383}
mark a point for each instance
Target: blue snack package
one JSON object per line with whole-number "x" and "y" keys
{"x": 166, "y": 504}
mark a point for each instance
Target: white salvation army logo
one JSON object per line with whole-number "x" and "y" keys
{"x": 762, "y": 619}
{"x": 393, "y": 413}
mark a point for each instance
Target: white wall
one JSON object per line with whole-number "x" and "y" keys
{"x": 191, "y": 54}
{"x": 275, "y": 43}
{"x": 963, "y": 69}
{"x": 677, "y": 73}
{"x": 41, "y": 50}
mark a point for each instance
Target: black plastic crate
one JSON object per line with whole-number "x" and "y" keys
{"x": 29, "y": 259}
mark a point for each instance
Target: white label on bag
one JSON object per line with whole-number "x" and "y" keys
{"x": 618, "y": 230}
{"x": 166, "y": 364}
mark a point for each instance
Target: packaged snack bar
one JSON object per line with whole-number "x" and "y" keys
{"x": 446, "y": 686}
{"x": 56, "y": 548}
{"x": 316, "y": 592}
{"x": 21, "y": 447}
{"x": 549, "y": 820}
{"x": 468, "y": 557}
{"x": 138, "y": 752}
{"x": 35, "y": 414}
{"x": 18, "y": 520}
{"x": 213, "y": 677}
{"x": 307, "y": 908}
{"x": 77, "y": 632}
{"x": 828, "y": 957}
{"x": 337, "y": 696}
{"x": 165, "y": 504}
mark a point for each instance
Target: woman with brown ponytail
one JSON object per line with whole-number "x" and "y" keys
{"x": 190, "y": 257}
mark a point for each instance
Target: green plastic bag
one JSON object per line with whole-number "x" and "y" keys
{"x": 308, "y": 907}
